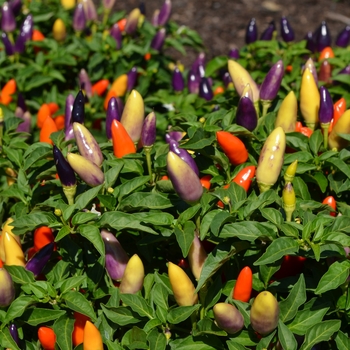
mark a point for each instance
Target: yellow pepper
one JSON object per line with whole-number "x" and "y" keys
{"x": 289, "y": 200}
{"x": 132, "y": 280}
{"x": 13, "y": 252}
{"x": 68, "y": 4}
{"x": 287, "y": 113}
{"x": 309, "y": 99}
{"x": 7, "y": 228}
{"x": 182, "y": 286}
{"x": 341, "y": 127}
{"x": 290, "y": 172}
{"x": 59, "y": 31}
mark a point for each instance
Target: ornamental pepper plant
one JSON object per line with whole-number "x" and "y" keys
{"x": 137, "y": 214}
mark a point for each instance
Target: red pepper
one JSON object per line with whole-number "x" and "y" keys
{"x": 243, "y": 178}
{"x": 306, "y": 131}
{"x": 244, "y": 285}
{"x": 100, "y": 87}
{"x": 292, "y": 265}
{"x": 47, "y": 338}
{"x": 233, "y": 147}
{"x": 298, "y": 126}
{"x": 332, "y": 203}
{"x": 205, "y": 181}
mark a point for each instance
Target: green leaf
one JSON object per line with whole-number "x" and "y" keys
{"x": 265, "y": 341}
{"x": 207, "y": 326}
{"x": 19, "y": 274}
{"x": 64, "y": 328}
{"x": 63, "y": 232}
{"x": 286, "y": 337}
{"x": 185, "y": 237}
{"x": 112, "y": 174}
{"x": 77, "y": 302}
{"x": 92, "y": 233}
{"x": 83, "y": 217}
{"x": 272, "y": 215}
{"x": 188, "y": 214}
{"x": 41, "y": 316}
{"x": 36, "y": 152}
{"x": 320, "y": 332}
{"x": 31, "y": 221}
{"x": 277, "y": 249}
{"x": 245, "y": 231}
{"x": 6, "y": 340}
{"x": 297, "y": 297}
{"x": 142, "y": 200}
{"x": 17, "y": 307}
{"x": 131, "y": 185}
{"x": 216, "y": 259}
{"x": 315, "y": 141}
{"x": 156, "y": 340}
{"x": 138, "y": 304}
{"x": 82, "y": 201}
{"x": 232, "y": 345}
{"x": 301, "y": 189}
{"x": 70, "y": 283}
{"x": 121, "y": 316}
{"x": 14, "y": 192}
{"x": 181, "y": 313}
{"x": 342, "y": 341}
{"x": 305, "y": 319}
{"x": 339, "y": 164}
{"x": 336, "y": 275}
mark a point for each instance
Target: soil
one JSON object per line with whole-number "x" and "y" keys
{"x": 222, "y": 23}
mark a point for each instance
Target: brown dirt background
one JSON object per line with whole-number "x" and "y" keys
{"x": 222, "y": 23}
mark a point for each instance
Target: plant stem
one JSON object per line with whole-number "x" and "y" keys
{"x": 148, "y": 150}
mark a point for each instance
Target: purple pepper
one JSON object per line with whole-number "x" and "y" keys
{"x": 345, "y": 70}
{"x": 343, "y": 38}
{"x": 116, "y": 257}
{"x": 7, "y": 288}
{"x": 193, "y": 82}
{"x": 78, "y": 111}
{"x": 154, "y": 20}
{"x": 108, "y": 4}
{"x": 68, "y": 117}
{"x": 21, "y": 103}
{"x": 25, "y": 126}
{"x": 148, "y": 133}
{"x": 226, "y": 78}
{"x": 132, "y": 76}
{"x": 85, "y": 83}
{"x": 64, "y": 170}
{"x": 16, "y": 6}
{"x": 272, "y": 82}
{"x": 246, "y": 114}
{"x": 185, "y": 181}
{"x": 199, "y": 61}
{"x": 79, "y": 19}
{"x": 183, "y": 154}
{"x": 37, "y": 263}
{"x": 310, "y": 42}
{"x": 132, "y": 21}
{"x": 8, "y": 21}
{"x": 25, "y": 34}
{"x": 116, "y": 35}
{"x": 174, "y": 135}
{"x": 233, "y": 54}
{"x": 158, "y": 39}
{"x": 205, "y": 90}
{"x": 269, "y": 32}
{"x": 120, "y": 105}
{"x": 325, "y": 112}
{"x": 111, "y": 114}
{"x": 251, "y": 34}
{"x": 14, "y": 333}
{"x": 287, "y": 31}
{"x": 9, "y": 48}
{"x": 89, "y": 10}
{"x": 322, "y": 37}
{"x": 142, "y": 8}
{"x": 164, "y": 13}
{"x": 178, "y": 82}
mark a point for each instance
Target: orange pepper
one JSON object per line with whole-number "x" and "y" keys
{"x": 47, "y": 338}
{"x": 298, "y": 126}
{"x": 43, "y": 113}
{"x": 48, "y": 128}
{"x": 37, "y": 35}
{"x": 147, "y": 56}
{"x": 233, "y": 147}
{"x": 326, "y": 53}
{"x": 332, "y": 203}
{"x": 53, "y": 106}
{"x": 92, "y": 337}
{"x": 122, "y": 142}
{"x": 219, "y": 90}
{"x": 78, "y": 330}
{"x": 205, "y": 181}
{"x": 7, "y": 91}
{"x": 121, "y": 24}
{"x": 306, "y": 131}
{"x": 59, "y": 121}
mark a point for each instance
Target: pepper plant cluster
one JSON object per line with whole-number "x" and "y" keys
{"x": 148, "y": 205}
